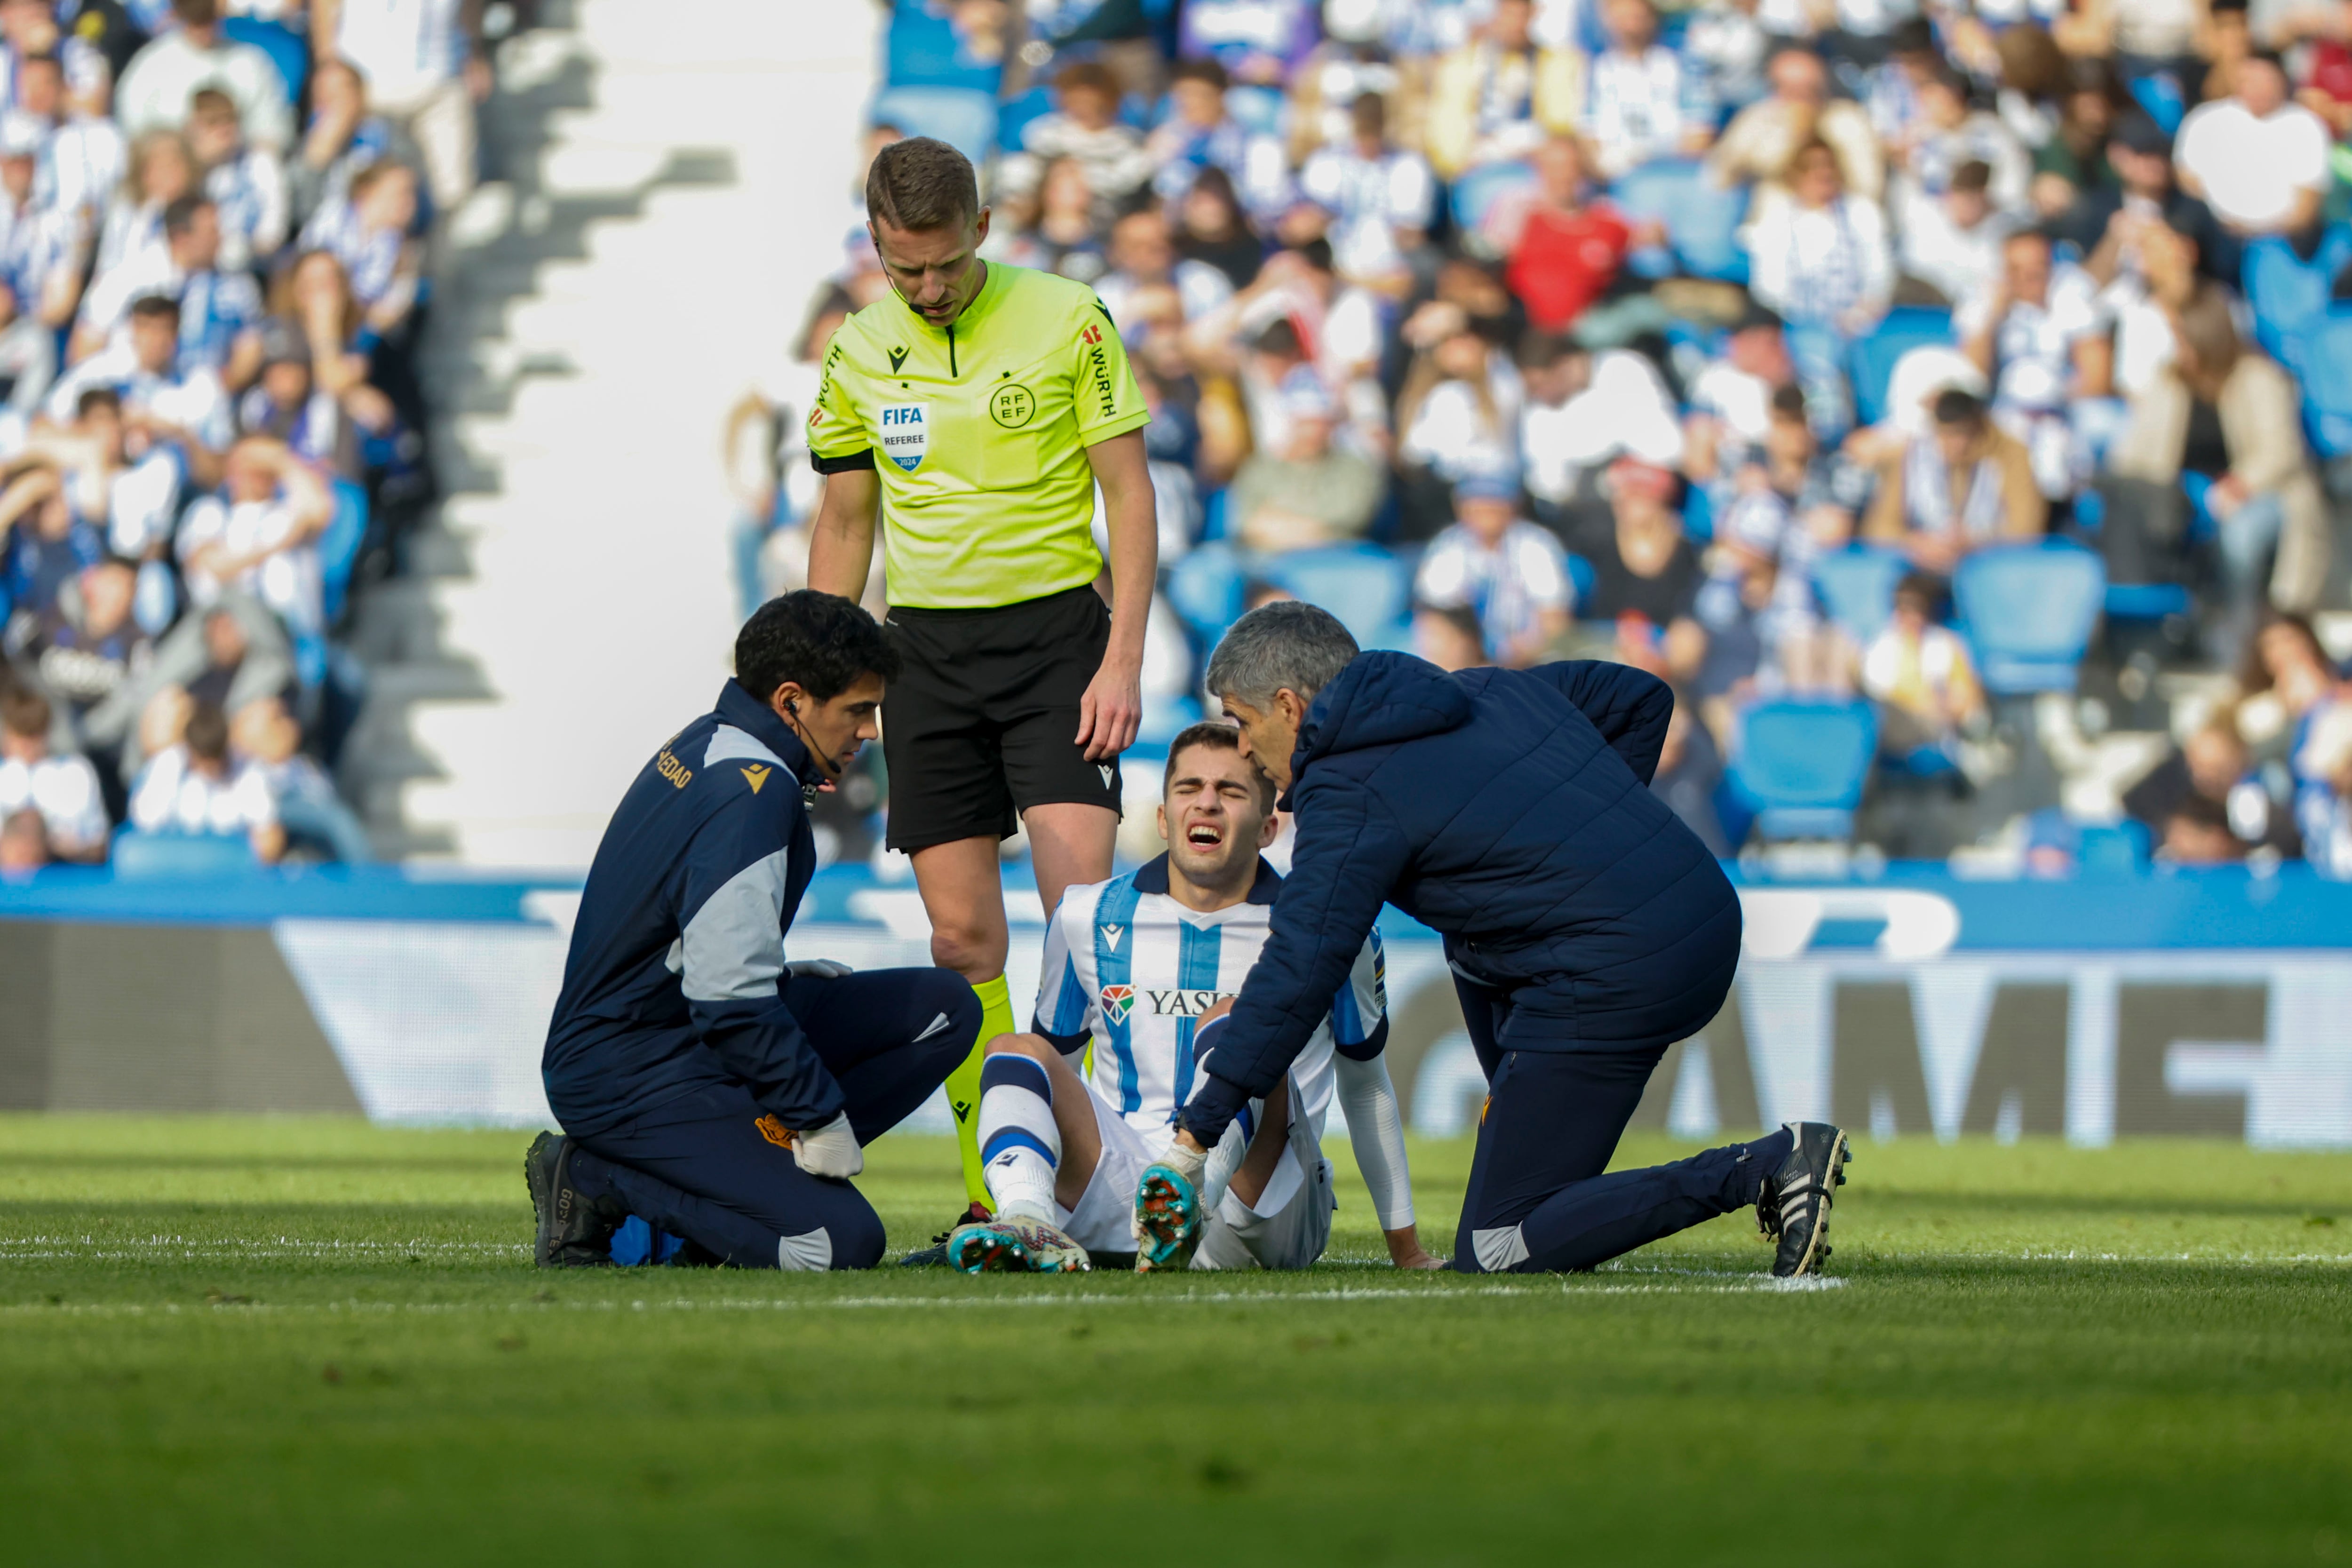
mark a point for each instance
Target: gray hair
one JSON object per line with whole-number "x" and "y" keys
{"x": 1287, "y": 646}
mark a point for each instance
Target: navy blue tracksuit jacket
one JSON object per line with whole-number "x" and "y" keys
{"x": 671, "y": 985}
{"x": 1510, "y": 811}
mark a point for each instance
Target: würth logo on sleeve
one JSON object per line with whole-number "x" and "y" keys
{"x": 1091, "y": 336}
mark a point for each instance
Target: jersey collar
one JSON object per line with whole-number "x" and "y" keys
{"x": 1151, "y": 877}
{"x": 737, "y": 706}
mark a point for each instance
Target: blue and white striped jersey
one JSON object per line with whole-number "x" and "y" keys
{"x": 1130, "y": 969}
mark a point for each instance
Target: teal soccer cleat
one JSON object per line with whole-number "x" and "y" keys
{"x": 1009, "y": 1245}
{"x": 1168, "y": 1220}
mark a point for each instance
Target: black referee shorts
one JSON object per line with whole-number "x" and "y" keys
{"x": 981, "y": 723}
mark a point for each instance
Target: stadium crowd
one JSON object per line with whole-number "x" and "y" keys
{"x": 1930, "y": 395}
{"x": 215, "y": 224}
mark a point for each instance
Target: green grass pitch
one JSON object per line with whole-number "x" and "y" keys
{"x": 315, "y": 1341}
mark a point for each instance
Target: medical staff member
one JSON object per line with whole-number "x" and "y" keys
{"x": 979, "y": 410}
{"x": 708, "y": 1087}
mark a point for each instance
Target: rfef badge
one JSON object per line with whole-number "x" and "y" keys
{"x": 906, "y": 433}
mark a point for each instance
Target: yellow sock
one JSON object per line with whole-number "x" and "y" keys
{"x": 963, "y": 1084}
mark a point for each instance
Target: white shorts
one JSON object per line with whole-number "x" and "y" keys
{"x": 1288, "y": 1227}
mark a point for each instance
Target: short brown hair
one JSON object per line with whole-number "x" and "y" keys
{"x": 1218, "y": 737}
{"x": 1088, "y": 76}
{"x": 25, "y": 712}
{"x": 921, "y": 182}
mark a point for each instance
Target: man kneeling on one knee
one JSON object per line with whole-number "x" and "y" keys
{"x": 1135, "y": 968}
{"x": 715, "y": 1097}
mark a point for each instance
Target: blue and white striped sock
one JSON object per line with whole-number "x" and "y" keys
{"x": 1020, "y": 1148}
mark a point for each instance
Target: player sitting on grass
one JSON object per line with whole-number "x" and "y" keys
{"x": 1133, "y": 967}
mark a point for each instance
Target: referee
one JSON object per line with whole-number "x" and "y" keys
{"x": 979, "y": 409}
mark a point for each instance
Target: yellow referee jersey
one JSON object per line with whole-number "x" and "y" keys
{"x": 979, "y": 431}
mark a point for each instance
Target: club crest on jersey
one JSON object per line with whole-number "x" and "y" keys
{"x": 1117, "y": 1001}
{"x": 906, "y": 434}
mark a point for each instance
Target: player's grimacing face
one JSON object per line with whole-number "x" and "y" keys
{"x": 1215, "y": 816}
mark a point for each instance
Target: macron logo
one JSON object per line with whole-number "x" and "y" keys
{"x": 1113, "y": 936}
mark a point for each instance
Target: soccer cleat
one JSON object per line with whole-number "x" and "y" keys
{"x": 936, "y": 1255}
{"x": 1014, "y": 1246}
{"x": 1167, "y": 1220}
{"x": 574, "y": 1232}
{"x": 1794, "y": 1206}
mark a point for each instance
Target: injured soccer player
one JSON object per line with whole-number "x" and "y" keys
{"x": 1134, "y": 968}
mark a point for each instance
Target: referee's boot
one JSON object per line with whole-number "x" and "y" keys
{"x": 1795, "y": 1203}
{"x": 575, "y": 1231}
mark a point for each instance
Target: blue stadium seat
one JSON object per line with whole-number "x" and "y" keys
{"x": 1014, "y": 118}
{"x": 1872, "y": 363}
{"x": 2327, "y": 385}
{"x": 964, "y": 118}
{"x": 339, "y": 546}
{"x": 1856, "y": 587}
{"x": 1365, "y": 586}
{"x": 1204, "y": 589}
{"x": 1800, "y": 767}
{"x": 922, "y": 49}
{"x": 289, "y": 51}
{"x": 1164, "y": 717}
{"x": 1702, "y": 220}
{"x": 138, "y": 854}
{"x": 1476, "y": 191}
{"x": 1582, "y": 577}
{"x": 2029, "y": 611}
{"x": 2162, "y": 96}
{"x": 2113, "y": 847}
{"x": 2290, "y": 297}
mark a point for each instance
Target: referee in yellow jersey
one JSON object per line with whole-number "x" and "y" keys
{"x": 979, "y": 409}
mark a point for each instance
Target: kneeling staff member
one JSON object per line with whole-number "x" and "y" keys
{"x": 1587, "y": 928}
{"x": 706, "y": 1086}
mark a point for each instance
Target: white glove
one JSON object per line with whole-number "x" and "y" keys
{"x": 831, "y": 1150}
{"x": 818, "y": 969}
{"x": 1186, "y": 1161}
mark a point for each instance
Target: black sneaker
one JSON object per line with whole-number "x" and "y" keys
{"x": 1795, "y": 1203}
{"x": 936, "y": 1255}
{"x": 574, "y": 1232}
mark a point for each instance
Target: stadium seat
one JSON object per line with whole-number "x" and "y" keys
{"x": 1164, "y": 717}
{"x": 2162, "y": 95}
{"x": 1014, "y": 118}
{"x": 1800, "y": 767}
{"x": 1702, "y": 220}
{"x": 1871, "y": 364}
{"x": 1856, "y": 587}
{"x": 964, "y": 118}
{"x": 1582, "y": 577}
{"x": 922, "y": 49}
{"x": 339, "y": 546}
{"x": 1365, "y": 586}
{"x": 289, "y": 51}
{"x": 2029, "y": 611}
{"x": 138, "y": 854}
{"x": 2290, "y": 297}
{"x": 1204, "y": 589}
{"x": 1477, "y": 188}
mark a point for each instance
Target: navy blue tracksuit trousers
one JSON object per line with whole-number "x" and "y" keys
{"x": 1539, "y": 1201}
{"x": 711, "y": 1167}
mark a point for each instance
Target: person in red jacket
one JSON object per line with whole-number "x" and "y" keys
{"x": 1561, "y": 251}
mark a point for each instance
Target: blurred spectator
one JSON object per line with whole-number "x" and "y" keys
{"x": 2071, "y": 151}
{"x": 1951, "y": 131}
{"x": 40, "y": 266}
{"x": 1965, "y": 484}
{"x": 163, "y": 399}
{"x": 1307, "y": 493}
{"x": 2228, "y": 415}
{"x": 2323, "y": 804}
{"x": 1085, "y": 125}
{"x": 1256, "y": 41}
{"x": 24, "y": 843}
{"x": 1143, "y": 256}
{"x": 1212, "y": 228}
{"x": 315, "y": 297}
{"x": 63, "y": 790}
{"x": 368, "y": 232}
{"x": 286, "y": 404}
{"x": 260, "y": 534}
{"x": 2039, "y": 333}
{"x": 2112, "y": 223}
{"x": 1821, "y": 259}
{"x": 1645, "y": 575}
{"x": 1381, "y": 198}
{"x": 342, "y": 138}
{"x": 219, "y": 307}
{"x": 316, "y": 821}
{"x": 1731, "y": 397}
{"x": 1450, "y": 637}
{"x": 193, "y": 787}
{"x": 1198, "y": 135}
{"x": 1723, "y": 47}
{"x": 1052, "y": 228}
{"x": 424, "y": 73}
{"x": 1922, "y": 679}
{"x": 1458, "y": 411}
{"x": 1761, "y": 142}
{"x": 2215, "y": 764}
{"x": 162, "y": 170}
{"x": 1511, "y": 573}
{"x": 1581, "y": 412}
{"x": 1560, "y": 251}
{"x": 2196, "y": 832}
{"x": 47, "y": 542}
{"x": 2259, "y": 159}
{"x": 1638, "y": 106}
{"x": 247, "y": 184}
{"x": 85, "y": 648}
{"x": 30, "y": 29}
{"x": 1495, "y": 97}
{"x": 82, "y": 155}
{"x": 230, "y": 655}
{"x": 1952, "y": 246}
{"x": 154, "y": 92}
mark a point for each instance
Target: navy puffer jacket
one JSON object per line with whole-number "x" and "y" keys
{"x": 1510, "y": 811}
